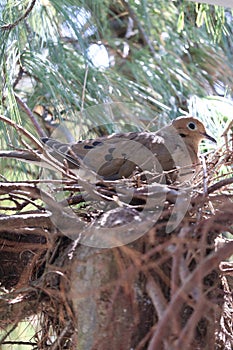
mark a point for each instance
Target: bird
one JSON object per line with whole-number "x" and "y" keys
{"x": 172, "y": 150}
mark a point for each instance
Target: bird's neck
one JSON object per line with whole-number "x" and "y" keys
{"x": 193, "y": 150}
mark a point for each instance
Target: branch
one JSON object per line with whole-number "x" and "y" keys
{"x": 204, "y": 268}
{"x": 222, "y": 183}
{"x": 144, "y": 35}
{"x": 22, "y": 130}
{"x": 10, "y": 26}
{"x": 27, "y": 110}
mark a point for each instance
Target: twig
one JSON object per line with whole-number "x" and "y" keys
{"x": 226, "y": 268}
{"x": 10, "y": 26}
{"x": 84, "y": 87}
{"x": 23, "y": 131}
{"x": 218, "y": 185}
{"x": 27, "y": 110}
{"x": 205, "y": 176}
{"x": 18, "y": 78}
{"x": 44, "y": 156}
{"x": 156, "y": 295}
{"x": 14, "y": 342}
{"x": 144, "y": 35}
{"x": 8, "y": 333}
{"x": 230, "y": 125}
{"x": 62, "y": 336}
{"x": 186, "y": 334}
{"x": 204, "y": 268}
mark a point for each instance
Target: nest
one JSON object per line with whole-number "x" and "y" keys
{"x": 119, "y": 269}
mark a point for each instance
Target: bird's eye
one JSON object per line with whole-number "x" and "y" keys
{"x": 191, "y": 126}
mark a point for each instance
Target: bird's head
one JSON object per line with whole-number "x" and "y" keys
{"x": 191, "y": 129}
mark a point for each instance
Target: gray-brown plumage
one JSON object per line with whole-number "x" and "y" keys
{"x": 174, "y": 147}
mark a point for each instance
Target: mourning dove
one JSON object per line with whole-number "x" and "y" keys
{"x": 172, "y": 148}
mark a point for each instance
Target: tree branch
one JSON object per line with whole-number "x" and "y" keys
{"x": 10, "y": 26}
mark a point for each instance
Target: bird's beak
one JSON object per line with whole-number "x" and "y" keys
{"x": 206, "y": 136}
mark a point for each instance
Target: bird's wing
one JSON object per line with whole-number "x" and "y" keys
{"x": 114, "y": 156}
